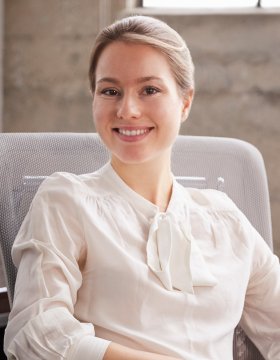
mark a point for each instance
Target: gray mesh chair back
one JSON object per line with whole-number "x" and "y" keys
{"x": 230, "y": 165}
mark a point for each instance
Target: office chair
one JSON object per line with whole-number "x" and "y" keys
{"x": 230, "y": 165}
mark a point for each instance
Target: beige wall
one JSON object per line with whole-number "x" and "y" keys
{"x": 237, "y": 57}
{"x": 47, "y": 46}
{"x": 1, "y": 60}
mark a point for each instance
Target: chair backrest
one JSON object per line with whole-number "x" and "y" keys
{"x": 231, "y": 165}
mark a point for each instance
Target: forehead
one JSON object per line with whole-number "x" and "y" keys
{"x": 132, "y": 58}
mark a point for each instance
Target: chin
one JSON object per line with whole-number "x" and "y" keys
{"x": 133, "y": 161}
{"x": 138, "y": 160}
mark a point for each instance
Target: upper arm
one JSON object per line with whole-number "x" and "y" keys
{"x": 261, "y": 315}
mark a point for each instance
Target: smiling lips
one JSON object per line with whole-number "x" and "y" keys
{"x": 133, "y": 132}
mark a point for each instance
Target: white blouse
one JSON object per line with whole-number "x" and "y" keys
{"x": 98, "y": 263}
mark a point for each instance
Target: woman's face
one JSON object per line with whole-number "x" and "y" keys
{"x": 137, "y": 109}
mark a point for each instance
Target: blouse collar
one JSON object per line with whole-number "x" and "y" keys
{"x": 138, "y": 202}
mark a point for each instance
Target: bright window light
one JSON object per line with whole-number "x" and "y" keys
{"x": 202, "y": 3}
{"x": 270, "y": 3}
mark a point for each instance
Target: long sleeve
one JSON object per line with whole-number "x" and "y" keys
{"x": 261, "y": 315}
{"x": 49, "y": 252}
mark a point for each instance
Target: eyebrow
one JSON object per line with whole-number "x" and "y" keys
{"x": 139, "y": 80}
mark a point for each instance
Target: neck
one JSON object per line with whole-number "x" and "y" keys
{"x": 152, "y": 180}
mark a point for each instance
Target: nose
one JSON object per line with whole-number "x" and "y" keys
{"x": 128, "y": 107}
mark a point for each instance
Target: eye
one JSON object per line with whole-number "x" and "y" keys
{"x": 151, "y": 90}
{"x": 110, "y": 92}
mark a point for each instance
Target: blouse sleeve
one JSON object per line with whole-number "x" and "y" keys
{"x": 49, "y": 252}
{"x": 261, "y": 316}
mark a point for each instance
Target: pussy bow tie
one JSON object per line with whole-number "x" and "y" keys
{"x": 174, "y": 256}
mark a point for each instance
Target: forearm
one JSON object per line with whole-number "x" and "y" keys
{"x": 119, "y": 352}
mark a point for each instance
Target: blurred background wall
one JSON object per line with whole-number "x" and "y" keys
{"x": 237, "y": 57}
{"x": 1, "y": 59}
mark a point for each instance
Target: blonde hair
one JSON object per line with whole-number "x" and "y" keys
{"x": 155, "y": 33}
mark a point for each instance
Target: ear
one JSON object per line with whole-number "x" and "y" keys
{"x": 187, "y": 103}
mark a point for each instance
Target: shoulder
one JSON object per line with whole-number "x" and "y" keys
{"x": 69, "y": 183}
{"x": 210, "y": 200}
{"x": 67, "y": 190}
{"x": 212, "y": 212}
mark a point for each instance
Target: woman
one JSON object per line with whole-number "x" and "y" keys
{"x": 125, "y": 263}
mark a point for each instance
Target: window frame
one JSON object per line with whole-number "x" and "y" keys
{"x": 260, "y": 4}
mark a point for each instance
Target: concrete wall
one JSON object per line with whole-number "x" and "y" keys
{"x": 237, "y": 57}
{"x": 2, "y": 283}
{"x": 47, "y": 47}
{"x": 1, "y": 60}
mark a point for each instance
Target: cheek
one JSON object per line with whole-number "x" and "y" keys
{"x": 95, "y": 115}
{"x": 169, "y": 113}
{"x": 99, "y": 112}
{"x": 94, "y": 109}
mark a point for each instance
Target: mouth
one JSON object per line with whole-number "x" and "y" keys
{"x": 135, "y": 132}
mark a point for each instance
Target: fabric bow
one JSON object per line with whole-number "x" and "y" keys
{"x": 174, "y": 256}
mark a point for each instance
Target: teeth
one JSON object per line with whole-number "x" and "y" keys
{"x": 133, "y": 132}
